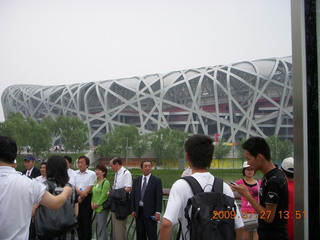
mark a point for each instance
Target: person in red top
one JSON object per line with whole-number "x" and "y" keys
{"x": 287, "y": 167}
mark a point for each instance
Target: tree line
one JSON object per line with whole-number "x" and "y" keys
{"x": 68, "y": 131}
{"x": 166, "y": 144}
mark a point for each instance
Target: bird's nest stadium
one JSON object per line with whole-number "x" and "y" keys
{"x": 250, "y": 98}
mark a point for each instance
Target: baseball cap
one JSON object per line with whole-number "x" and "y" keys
{"x": 245, "y": 164}
{"x": 288, "y": 165}
{"x": 29, "y": 158}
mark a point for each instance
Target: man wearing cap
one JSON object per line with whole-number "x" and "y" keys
{"x": 31, "y": 171}
{"x": 287, "y": 167}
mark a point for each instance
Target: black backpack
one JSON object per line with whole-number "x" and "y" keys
{"x": 212, "y": 213}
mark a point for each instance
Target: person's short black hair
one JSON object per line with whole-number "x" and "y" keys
{"x": 243, "y": 171}
{"x": 117, "y": 160}
{"x": 288, "y": 174}
{"x": 8, "y": 149}
{"x": 200, "y": 150}
{"x": 43, "y": 163}
{"x": 57, "y": 168}
{"x": 103, "y": 169}
{"x": 85, "y": 158}
{"x": 257, "y": 145}
{"x": 69, "y": 159}
{"x": 141, "y": 164}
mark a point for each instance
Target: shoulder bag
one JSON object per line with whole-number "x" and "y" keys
{"x": 107, "y": 203}
{"x": 51, "y": 223}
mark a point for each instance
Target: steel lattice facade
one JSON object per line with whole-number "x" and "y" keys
{"x": 235, "y": 101}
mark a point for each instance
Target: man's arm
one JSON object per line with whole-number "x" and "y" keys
{"x": 84, "y": 194}
{"x": 165, "y": 229}
{"x": 55, "y": 202}
{"x": 267, "y": 214}
{"x": 127, "y": 179}
{"x": 240, "y": 233}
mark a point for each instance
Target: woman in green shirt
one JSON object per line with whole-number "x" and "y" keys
{"x": 99, "y": 196}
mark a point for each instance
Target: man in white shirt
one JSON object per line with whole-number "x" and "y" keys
{"x": 18, "y": 194}
{"x": 199, "y": 150}
{"x": 83, "y": 180}
{"x": 122, "y": 180}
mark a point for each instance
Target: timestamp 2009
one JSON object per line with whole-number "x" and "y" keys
{"x": 263, "y": 214}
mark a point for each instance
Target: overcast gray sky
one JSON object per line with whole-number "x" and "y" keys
{"x": 52, "y": 42}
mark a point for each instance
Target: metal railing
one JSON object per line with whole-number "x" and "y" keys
{"x": 131, "y": 225}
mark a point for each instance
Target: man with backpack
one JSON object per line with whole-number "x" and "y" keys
{"x": 207, "y": 211}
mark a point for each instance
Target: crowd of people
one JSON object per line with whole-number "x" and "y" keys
{"x": 259, "y": 216}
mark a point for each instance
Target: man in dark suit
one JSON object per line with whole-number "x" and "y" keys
{"x": 146, "y": 202}
{"x": 31, "y": 171}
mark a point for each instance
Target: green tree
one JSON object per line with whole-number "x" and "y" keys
{"x": 175, "y": 149}
{"x": 52, "y": 126}
{"x": 77, "y": 140}
{"x": 18, "y": 129}
{"x": 240, "y": 150}
{"x": 221, "y": 150}
{"x": 40, "y": 140}
{"x": 109, "y": 146}
{"x": 126, "y": 136}
{"x": 73, "y": 132}
{"x": 279, "y": 149}
{"x": 168, "y": 144}
{"x": 141, "y": 145}
{"x": 4, "y": 129}
{"x": 160, "y": 143}
{"x": 286, "y": 150}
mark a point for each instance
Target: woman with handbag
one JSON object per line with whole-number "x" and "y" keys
{"x": 249, "y": 215}
{"x": 57, "y": 178}
{"x": 99, "y": 197}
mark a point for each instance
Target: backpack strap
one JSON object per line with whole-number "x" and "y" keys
{"x": 196, "y": 188}
{"x": 217, "y": 185}
{"x": 194, "y": 184}
{"x": 51, "y": 186}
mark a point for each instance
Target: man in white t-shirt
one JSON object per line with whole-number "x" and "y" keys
{"x": 199, "y": 150}
{"x": 122, "y": 182}
{"x": 18, "y": 194}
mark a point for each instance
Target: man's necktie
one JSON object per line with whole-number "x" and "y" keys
{"x": 143, "y": 189}
{"x": 115, "y": 180}
{"x": 28, "y": 173}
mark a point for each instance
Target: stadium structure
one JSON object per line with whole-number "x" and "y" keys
{"x": 235, "y": 101}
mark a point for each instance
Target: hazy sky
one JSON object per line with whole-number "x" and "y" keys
{"x": 52, "y": 42}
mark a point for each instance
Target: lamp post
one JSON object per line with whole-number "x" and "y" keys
{"x": 127, "y": 152}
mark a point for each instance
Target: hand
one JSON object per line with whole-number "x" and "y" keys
{"x": 157, "y": 217}
{"x": 241, "y": 189}
{"x": 127, "y": 189}
{"x": 79, "y": 199}
{"x": 83, "y": 195}
{"x": 94, "y": 206}
{"x": 134, "y": 214}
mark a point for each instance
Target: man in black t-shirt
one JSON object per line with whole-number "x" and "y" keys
{"x": 274, "y": 191}
{"x": 273, "y": 195}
